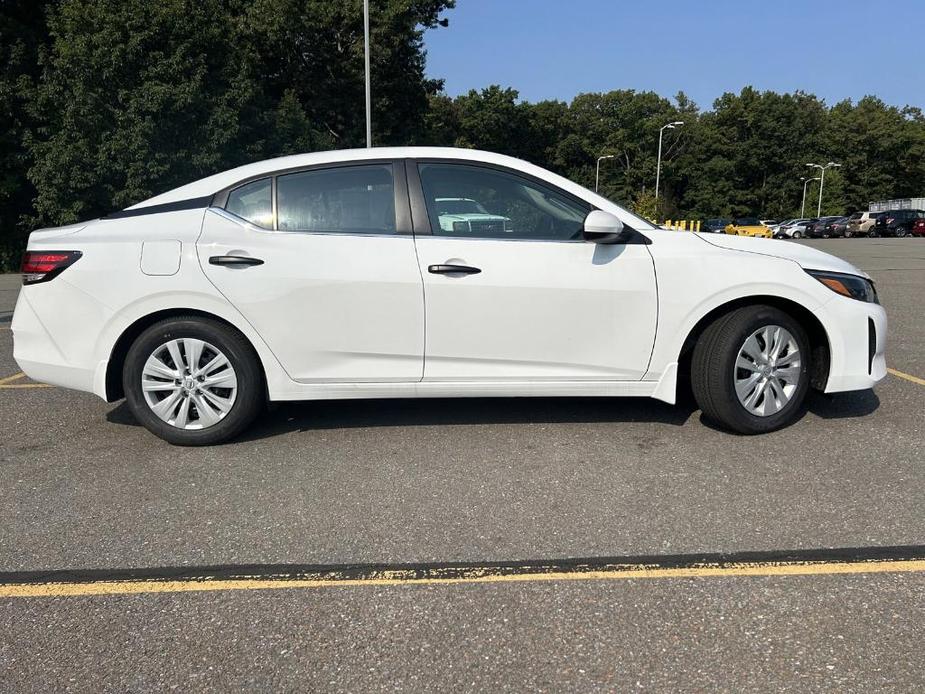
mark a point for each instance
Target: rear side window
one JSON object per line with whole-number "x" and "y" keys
{"x": 253, "y": 202}
{"x": 349, "y": 200}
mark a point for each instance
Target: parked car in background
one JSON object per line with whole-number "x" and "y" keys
{"x": 466, "y": 216}
{"x": 897, "y": 222}
{"x": 786, "y": 229}
{"x": 836, "y": 227}
{"x": 816, "y": 230}
{"x": 715, "y": 226}
{"x": 769, "y": 222}
{"x": 797, "y": 230}
{"x": 748, "y": 226}
{"x": 330, "y": 275}
{"x": 860, "y": 223}
{"x": 918, "y": 229}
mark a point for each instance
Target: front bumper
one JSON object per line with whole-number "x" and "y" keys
{"x": 857, "y": 344}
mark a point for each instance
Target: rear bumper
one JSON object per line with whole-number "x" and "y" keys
{"x": 857, "y": 346}
{"x": 39, "y": 354}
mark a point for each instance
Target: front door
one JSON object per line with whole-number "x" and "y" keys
{"x": 512, "y": 292}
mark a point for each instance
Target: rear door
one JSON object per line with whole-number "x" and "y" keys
{"x": 322, "y": 263}
{"x": 512, "y": 291}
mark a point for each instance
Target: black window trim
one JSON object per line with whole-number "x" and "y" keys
{"x": 403, "y": 227}
{"x": 421, "y": 219}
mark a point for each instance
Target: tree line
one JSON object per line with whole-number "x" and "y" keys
{"x": 107, "y": 102}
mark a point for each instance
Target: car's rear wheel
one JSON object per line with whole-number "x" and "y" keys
{"x": 750, "y": 370}
{"x": 901, "y": 232}
{"x": 193, "y": 381}
{"x": 797, "y": 235}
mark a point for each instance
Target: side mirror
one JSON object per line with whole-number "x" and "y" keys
{"x": 602, "y": 227}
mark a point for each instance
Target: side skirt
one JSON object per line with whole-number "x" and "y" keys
{"x": 469, "y": 389}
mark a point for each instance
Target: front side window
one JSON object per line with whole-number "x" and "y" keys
{"x": 476, "y": 202}
{"x": 350, "y": 200}
{"x": 253, "y": 202}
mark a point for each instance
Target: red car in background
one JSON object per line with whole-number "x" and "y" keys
{"x": 918, "y": 229}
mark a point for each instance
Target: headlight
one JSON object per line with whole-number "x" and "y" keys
{"x": 852, "y": 286}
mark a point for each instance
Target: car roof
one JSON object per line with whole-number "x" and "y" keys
{"x": 212, "y": 184}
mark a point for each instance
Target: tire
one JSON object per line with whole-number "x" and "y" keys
{"x": 714, "y": 375}
{"x": 200, "y": 414}
{"x": 797, "y": 235}
{"x": 848, "y": 234}
{"x": 901, "y": 232}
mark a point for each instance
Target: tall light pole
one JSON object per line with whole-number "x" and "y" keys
{"x": 658, "y": 167}
{"x": 597, "y": 174}
{"x": 369, "y": 122}
{"x": 822, "y": 182}
{"x": 806, "y": 182}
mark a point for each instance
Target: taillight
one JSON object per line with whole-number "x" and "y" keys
{"x": 41, "y": 266}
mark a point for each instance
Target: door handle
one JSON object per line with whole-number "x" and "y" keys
{"x": 453, "y": 270}
{"x": 234, "y": 260}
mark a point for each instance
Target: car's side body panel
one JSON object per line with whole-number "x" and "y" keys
{"x": 728, "y": 276}
{"x": 65, "y": 330}
{"x": 538, "y": 310}
{"x": 332, "y": 307}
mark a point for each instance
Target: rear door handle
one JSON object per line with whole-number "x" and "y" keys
{"x": 234, "y": 260}
{"x": 453, "y": 270}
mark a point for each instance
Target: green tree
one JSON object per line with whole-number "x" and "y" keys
{"x": 22, "y": 33}
{"x": 139, "y": 96}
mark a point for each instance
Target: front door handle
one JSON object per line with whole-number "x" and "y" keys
{"x": 234, "y": 260}
{"x": 453, "y": 270}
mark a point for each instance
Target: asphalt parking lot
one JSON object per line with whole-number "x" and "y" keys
{"x": 408, "y": 483}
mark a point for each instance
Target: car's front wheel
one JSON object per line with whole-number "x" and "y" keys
{"x": 750, "y": 370}
{"x": 193, "y": 381}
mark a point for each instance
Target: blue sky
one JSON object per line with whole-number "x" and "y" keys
{"x": 835, "y": 49}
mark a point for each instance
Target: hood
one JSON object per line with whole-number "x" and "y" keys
{"x": 806, "y": 257}
{"x": 472, "y": 216}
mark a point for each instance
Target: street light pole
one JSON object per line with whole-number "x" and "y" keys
{"x": 806, "y": 182}
{"x": 822, "y": 182}
{"x": 597, "y": 174}
{"x": 658, "y": 166}
{"x": 369, "y": 123}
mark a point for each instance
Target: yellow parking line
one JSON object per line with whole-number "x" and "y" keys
{"x": 405, "y": 578}
{"x": 7, "y": 383}
{"x": 908, "y": 377}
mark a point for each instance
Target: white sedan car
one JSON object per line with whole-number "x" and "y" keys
{"x": 329, "y": 275}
